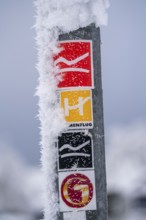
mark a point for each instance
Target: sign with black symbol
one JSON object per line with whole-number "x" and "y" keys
{"x": 75, "y": 150}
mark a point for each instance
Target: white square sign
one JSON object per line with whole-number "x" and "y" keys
{"x": 77, "y": 191}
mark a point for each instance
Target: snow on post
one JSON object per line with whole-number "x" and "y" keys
{"x": 55, "y": 17}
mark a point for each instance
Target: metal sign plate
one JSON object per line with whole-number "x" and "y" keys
{"x": 75, "y": 64}
{"x": 77, "y": 106}
{"x": 75, "y": 151}
{"x": 77, "y": 191}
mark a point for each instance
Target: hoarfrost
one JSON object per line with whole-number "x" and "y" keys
{"x": 69, "y": 15}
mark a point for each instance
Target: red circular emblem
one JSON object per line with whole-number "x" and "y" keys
{"x": 77, "y": 190}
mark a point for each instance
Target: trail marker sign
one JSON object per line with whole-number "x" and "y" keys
{"x": 77, "y": 106}
{"x": 77, "y": 191}
{"x": 75, "y": 151}
{"x": 75, "y": 64}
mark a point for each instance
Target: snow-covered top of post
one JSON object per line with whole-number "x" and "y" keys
{"x": 69, "y": 15}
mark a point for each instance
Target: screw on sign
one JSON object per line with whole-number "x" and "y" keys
{"x": 77, "y": 190}
{"x": 75, "y": 64}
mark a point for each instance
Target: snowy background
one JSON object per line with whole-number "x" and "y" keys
{"x": 123, "y": 67}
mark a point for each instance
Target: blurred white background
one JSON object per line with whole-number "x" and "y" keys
{"x": 123, "y": 68}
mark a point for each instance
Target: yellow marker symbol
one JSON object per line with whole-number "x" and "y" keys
{"x": 77, "y": 105}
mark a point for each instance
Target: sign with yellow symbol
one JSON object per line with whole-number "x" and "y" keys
{"x": 77, "y": 106}
{"x": 77, "y": 191}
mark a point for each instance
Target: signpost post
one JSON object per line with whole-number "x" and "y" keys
{"x": 81, "y": 151}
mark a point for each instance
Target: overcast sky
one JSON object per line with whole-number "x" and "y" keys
{"x": 123, "y": 68}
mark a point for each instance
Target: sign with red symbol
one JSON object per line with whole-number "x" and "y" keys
{"x": 77, "y": 191}
{"x": 75, "y": 64}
